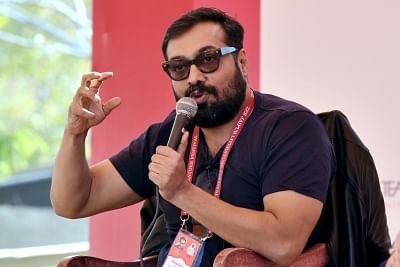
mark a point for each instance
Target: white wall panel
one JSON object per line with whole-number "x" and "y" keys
{"x": 345, "y": 55}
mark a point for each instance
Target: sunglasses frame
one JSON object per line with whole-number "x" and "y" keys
{"x": 219, "y": 53}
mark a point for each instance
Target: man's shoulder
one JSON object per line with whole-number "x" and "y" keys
{"x": 156, "y": 133}
{"x": 280, "y": 113}
{"x": 163, "y": 125}
{"x": 269, "y": 102}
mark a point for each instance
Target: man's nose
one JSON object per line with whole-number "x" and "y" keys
{"x": 195, "y": 75}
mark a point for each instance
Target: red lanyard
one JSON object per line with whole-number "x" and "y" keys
{"x": 245, "y": 114}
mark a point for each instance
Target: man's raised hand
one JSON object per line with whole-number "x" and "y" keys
{"x": 87, "y": 109}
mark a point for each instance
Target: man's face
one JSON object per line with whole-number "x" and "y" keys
{"x": 226, "y": 104}
{"x": 219, "y": 94}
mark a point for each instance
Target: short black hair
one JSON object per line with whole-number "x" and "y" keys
{"x": 233, "y": 29}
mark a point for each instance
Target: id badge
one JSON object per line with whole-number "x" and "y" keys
{"x": 186, "y": 251}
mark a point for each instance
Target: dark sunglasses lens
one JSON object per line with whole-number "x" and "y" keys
{"x": 178, "y": 70}
{"x": 208, "y": 62}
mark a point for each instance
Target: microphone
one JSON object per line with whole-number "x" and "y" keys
{"x": 186, "y": 109}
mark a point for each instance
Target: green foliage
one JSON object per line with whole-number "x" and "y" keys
{"x": 37, "y": 83}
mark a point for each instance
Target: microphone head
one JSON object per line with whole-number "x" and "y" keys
{"x": 186, "y": 106}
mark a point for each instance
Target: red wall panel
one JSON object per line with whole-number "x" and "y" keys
{"x": 127, "y": 40}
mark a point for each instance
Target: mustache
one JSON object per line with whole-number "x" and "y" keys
{"x": 200, "y": 89}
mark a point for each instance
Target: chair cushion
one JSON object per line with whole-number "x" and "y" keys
{"x": 316, "y": 256}
{"x": 87, "y": 261}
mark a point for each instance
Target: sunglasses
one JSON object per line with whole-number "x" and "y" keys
{"x": 206, "y": 62}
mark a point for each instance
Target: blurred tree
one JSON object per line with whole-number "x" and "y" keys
{"x": 45, "y": 46}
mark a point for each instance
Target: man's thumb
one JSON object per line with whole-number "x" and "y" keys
{"x": 111, "y": 104}
{"x": 183, "y": 145}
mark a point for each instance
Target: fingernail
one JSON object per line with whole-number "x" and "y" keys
{"x": 97, "y": 98}
{"x": 88, "y": 111}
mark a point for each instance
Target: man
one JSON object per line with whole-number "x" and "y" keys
{"x": 262, "y": 164}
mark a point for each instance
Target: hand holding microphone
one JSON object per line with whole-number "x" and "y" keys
{"x": 167, "y": 168}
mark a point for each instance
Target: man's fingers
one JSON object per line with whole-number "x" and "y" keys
{"x": 87, "y": 113}
{"x": 89, "y": 90}
{"x": 111, "y": 104}
{"x": 86, "y": 93}
{"x": 94, "y": 79}
{"x": 87, "y": 77}
{"x": 77, "y": 110}
{"x": 96, "y": 83}
{"x": 106, "y": 75}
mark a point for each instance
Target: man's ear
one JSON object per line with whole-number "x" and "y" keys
{"x": 242, "y": 62}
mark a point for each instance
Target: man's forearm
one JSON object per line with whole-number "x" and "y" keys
{"x": 71, "y": 179}
{"x": 236, "y": 225}
{"x": 261, "y": 231}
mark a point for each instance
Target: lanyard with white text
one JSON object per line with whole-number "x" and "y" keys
{"x": 245, "y": 114}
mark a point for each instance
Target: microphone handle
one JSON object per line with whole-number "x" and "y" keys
{"x": 175, "y": 137}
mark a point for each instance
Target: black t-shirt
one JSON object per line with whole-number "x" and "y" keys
{"x": 283, "y": 146}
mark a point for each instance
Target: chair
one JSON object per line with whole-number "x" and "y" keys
{"x": 87, "y": 261}
{"x": 353, "y": 219}
{"x": 353, "y": 216}
{"x": 315, "y": 256}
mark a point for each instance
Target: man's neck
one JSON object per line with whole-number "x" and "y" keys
{"x": 216, "y": 137}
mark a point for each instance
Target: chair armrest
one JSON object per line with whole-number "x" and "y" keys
{"x": 316, "y": 256}
{"x": 87, "y": 261}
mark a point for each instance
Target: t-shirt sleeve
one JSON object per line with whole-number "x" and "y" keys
{"x": 299, "y": 156}
{"x": 132, "y": 161}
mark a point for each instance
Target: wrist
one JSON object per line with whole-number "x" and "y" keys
{"x": 74, "y": 138}
{"x": 181, "y": 194}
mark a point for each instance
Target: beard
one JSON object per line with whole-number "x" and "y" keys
{"x": 228, "y": 102}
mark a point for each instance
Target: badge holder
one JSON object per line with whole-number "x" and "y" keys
{"x": 186, "y": 250}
